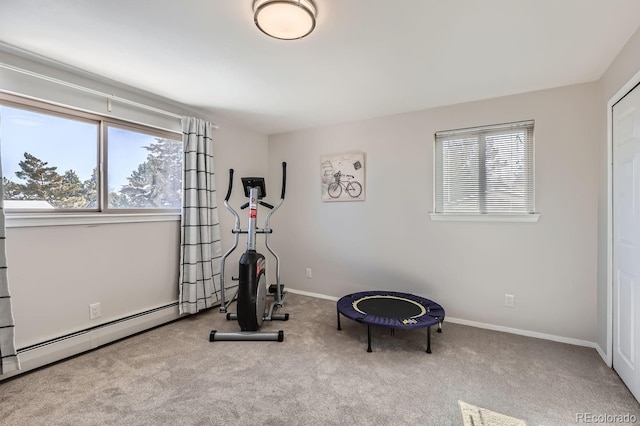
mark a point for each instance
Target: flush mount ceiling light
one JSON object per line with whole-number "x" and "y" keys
{"x": 285, "y": 19}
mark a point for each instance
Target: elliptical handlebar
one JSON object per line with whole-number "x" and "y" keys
{"x": 262, "y": 203}
{"x": 231, "y": 210}
{"x": 277, "y": 206}
{"x": 267, "y": 205}
{"x": 230, "y": 185}
{"x": 284, "y": 179}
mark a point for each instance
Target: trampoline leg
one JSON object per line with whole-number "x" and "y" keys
{"x": 369, "y": 339}
{"x": 339, "y": 328}
{"x": 440, "y": 327}
{"x": 428, "y": 340}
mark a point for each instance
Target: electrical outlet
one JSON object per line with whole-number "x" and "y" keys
{"x": 509, "y": 300}
{"x": 308, "y": 272}
{"x": 94, "y": 311}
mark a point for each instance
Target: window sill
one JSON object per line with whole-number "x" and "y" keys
{"x": 494, "y": 217}
{"x": 21, "y": 220}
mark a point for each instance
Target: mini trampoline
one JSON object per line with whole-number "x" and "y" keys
{"x": 392, "y": 310}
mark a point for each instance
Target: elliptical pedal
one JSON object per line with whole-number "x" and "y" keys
{"x": 273, "y": 288}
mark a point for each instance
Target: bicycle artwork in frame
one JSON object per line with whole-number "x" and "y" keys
{"x": 342, "y": 177}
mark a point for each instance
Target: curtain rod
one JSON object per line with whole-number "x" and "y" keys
{"x": 110, "y": 98}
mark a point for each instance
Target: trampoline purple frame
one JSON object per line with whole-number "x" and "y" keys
{"x": 430, "y": 314}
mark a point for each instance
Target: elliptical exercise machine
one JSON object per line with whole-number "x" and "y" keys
{"x": 251, "y": 290}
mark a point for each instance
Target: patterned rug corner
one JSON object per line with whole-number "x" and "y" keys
{"x": 477, "y": 416}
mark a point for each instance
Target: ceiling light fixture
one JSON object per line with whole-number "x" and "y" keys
{"x": 285, "y": 19}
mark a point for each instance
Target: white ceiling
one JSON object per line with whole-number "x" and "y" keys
{"x": 366, "y": 58}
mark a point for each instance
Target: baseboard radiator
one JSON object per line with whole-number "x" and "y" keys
{"x": 59, "y": 348}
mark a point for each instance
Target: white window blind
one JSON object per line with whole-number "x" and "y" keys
{"x": 485, "y": 170}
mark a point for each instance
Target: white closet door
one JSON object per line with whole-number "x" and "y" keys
{"x": 626, "y": 240}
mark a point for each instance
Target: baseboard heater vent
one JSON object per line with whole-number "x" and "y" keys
{"x": 68, "y": 345}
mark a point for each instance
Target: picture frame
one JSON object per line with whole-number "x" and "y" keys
{"x": 343, "y": 177}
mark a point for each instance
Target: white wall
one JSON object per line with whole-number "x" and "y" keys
{"x": 389, "y": 242}
{"x": 56, "y": 272}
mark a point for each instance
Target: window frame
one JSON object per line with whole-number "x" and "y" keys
{"x": 104, "y": 167}
{"x": 480, "y": 133}
{"x": 100, "y": 214}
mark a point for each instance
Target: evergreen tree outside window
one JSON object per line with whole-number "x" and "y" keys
{"x": 145, "y": 171}
{"x": 51, "y": 162}
{"x": 48, "y": 158}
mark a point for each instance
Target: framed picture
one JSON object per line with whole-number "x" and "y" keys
{"x": 342, "y": 177}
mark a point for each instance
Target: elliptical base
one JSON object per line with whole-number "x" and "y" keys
{"x": 246, "y": 336}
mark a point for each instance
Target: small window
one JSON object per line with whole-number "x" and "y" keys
{"x": 485, "y": 170}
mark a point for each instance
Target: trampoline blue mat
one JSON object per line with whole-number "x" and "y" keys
{"x": 391, "y": 309}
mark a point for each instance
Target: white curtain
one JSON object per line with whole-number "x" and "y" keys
{"x": 8, "y": 355}
{"x": 200, "y": 246}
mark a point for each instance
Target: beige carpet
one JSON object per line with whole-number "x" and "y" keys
{"x": 173, "y": 375}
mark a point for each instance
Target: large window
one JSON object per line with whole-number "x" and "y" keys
{"x": 58, "y": 160}
{"x": 485, "y": 170}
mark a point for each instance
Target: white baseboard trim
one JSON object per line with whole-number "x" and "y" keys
{"x": 605, "y": 355}
{"x": 487, "y": 326}
{"x": 527, "y": 333}
{"x": 316, "y": 295}
{"x": 39, "y": 355}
